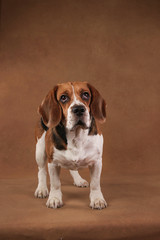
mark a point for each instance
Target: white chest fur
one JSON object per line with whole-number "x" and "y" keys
{"x": 82, "y": 151}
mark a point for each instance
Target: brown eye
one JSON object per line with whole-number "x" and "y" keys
{"x": 85, "y": 96}
{"x": 64, "y": 98}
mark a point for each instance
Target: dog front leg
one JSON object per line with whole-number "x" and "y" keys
{"x": 97, "y": 200}
{"x": 55, "y": 195}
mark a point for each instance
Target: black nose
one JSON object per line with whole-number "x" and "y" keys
{"x": 78, "y": 110}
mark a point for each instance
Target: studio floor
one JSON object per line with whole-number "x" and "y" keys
{"x": 133, "y": 210}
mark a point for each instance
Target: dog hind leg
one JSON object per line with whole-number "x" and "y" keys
{"x": 42, "y": 190}
{"x": 78, "y": 180}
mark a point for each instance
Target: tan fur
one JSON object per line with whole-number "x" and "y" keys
{"x": 53, "y": 98}
{"x": 50, "y": 109}
{"x": 49, "y": 145}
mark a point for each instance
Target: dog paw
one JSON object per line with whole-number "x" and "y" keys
{"x": 41, "y": 192}
{"x": 54, "y": 202}
{"x": 98, "y": 204}
{"x": 81, "y": 183}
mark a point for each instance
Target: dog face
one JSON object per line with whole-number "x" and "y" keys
{"x": 74, "y": 100}
{"x": 74, "y": 104}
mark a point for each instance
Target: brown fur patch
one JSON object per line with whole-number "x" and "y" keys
{"x": 51, "y": 107}
{"x": 98, "y": 105}
{"x": 49, "y": 145}
{"x": 66, "y": 89}
{"x": 94, "y": 129}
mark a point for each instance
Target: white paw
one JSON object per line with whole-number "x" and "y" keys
{"x": 41, "y": 192}
{"x": 98, "y": 203}
{"x": 54, "y": 202}
{"x": 81, "y": 183}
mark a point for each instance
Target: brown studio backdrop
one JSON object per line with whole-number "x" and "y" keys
{"x": 113, "y": 44}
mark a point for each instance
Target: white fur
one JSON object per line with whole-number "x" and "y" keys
{"x": 74, "y": 96}
{"x": 42, "y": 190}
{"x": 55, "y": 195}
{"x": 78, "y": 180}
{"x": 71, "y": 117}
{"x": 82, "y": 150}
{"x": 97, "y": 200}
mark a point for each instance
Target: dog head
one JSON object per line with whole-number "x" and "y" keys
{"x": 74, "y": 104}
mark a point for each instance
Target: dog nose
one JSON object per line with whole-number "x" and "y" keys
{"x": 78, "y": 110}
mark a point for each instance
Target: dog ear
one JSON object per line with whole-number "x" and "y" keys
{"x": 98, "y": 105}
{"x": 50, "y": 109}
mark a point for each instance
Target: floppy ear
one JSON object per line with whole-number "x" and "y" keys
{"x": 50, "y": 109}
{"x": 98, "y": 105}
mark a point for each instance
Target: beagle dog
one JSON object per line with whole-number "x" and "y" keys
{"x": 68, "y": 135}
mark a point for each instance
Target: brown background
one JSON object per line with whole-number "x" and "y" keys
{"x": 113, "y": 44}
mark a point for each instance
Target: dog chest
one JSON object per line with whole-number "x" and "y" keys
{"x": 81, "y": 152}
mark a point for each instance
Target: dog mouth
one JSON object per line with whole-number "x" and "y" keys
{"x": 80, "y": 124}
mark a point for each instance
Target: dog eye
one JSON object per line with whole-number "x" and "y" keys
{"x": 85, "y": 96}
{"x": 64, "y": 98}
